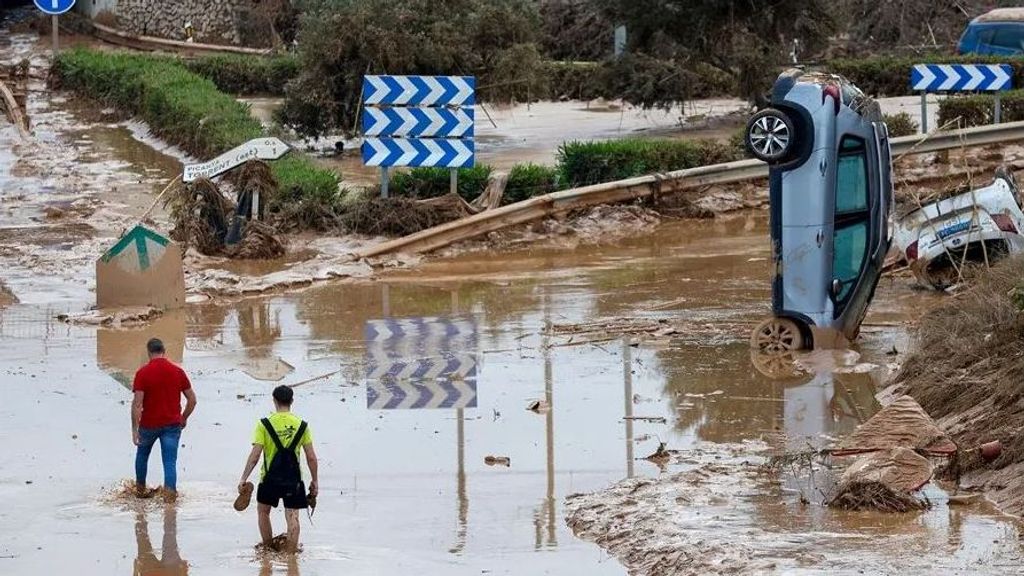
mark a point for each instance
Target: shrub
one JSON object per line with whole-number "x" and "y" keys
{"x": 423, "y": 183}
{"x": 241, "y": 74}
{"x": 979, "y": 109}
{"x": 900, "y": 124}
{"x": 186, "y": 110}
{"x": 583, "y": 163}
{"x": 529, "y": 180}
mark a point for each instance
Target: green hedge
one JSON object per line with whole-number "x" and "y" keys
{"x": 529, "y": 180}
{"x": 241, "y": 74}
{"x": 979, "y": 109}
{"x": 423, "y": 183}
{"x": 886, "y": 76}
{"x": 900, "y": 124}
{"x": 183, "y": 109}
{"x": 583, "y": 163}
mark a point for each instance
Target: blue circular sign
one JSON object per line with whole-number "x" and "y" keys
{"x": 54, "y": 6}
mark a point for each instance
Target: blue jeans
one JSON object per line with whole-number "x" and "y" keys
{"x": 169, "y": 437}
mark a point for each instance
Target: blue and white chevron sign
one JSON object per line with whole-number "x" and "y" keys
{"x": 440, "y": 152}
{"x": 418, "y": 122}
{"x": 382, "y": 395}
{"x": 961, "y": 77}
{"x": 419, "y": 90}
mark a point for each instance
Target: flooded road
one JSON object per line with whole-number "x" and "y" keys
{"x": 404, "y": 483}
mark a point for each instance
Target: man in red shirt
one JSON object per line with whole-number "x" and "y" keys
{"x": 157, "y": 415}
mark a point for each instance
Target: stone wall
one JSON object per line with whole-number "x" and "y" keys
{"x": 213, "y": 21}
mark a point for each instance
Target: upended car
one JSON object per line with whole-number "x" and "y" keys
{"x": 978, "y": 226}
{"x": 830, "y": 196}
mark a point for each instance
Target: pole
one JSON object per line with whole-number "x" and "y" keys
{"x": 56, "y": 30}
{"x": 924, "y": 112}
{"x": 999, "y": 109}
{"x": 627, "y": 386}
{"x": 454, "y": 186}
{"x": 256, "y": 205}
{"x": 383, "y": 181}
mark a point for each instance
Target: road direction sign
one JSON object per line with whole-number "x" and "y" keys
{"x": 961, "y": 77}
{"x": 258, "y": 149}
{"x": 439, "y": 152}
{"x": 142, "y": 269}
{"x": 419, "y": 90}
{"x": 418, "y": 122}
{"x": 54, "y": 7}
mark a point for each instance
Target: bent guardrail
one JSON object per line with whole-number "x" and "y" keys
{"x": 664, "y": 183}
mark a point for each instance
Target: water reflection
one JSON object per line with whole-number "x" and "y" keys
{"x": 169, "y": 563}
{"x": 120, "y": 352}
{"x": 289, "y": 566}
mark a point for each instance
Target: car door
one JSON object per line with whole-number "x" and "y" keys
{"x": 853, "y": 232}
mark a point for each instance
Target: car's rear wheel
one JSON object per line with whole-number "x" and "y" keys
{"x": 777, "y": 335}
{"x": 769, "y": 135}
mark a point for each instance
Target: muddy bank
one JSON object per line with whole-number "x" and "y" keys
{"x": 967, "y": 371}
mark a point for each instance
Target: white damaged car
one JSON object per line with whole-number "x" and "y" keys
{"x": 977, "y": 226}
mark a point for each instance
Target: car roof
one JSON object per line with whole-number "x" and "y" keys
{"x": 1002, "y": 15}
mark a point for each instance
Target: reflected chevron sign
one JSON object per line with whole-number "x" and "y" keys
{"x": 439, "y": 152}
{"x": 961, "y": 77}
{"x": 421, "y": 363}
{"x": 414, "y": 396}
{"x": 419, "y": 90}
{"x": 418, "y": 122}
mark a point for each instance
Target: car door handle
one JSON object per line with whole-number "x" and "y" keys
{"x": 821, "y": 237}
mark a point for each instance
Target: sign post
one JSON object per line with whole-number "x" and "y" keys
{"x": 930, "y": 78}
{"x": 54, "y": 8}
{"x": 418, "y": 121}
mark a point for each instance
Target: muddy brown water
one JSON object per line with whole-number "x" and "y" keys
{"x": 407, "y": 490}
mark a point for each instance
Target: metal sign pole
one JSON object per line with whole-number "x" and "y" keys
{"x": 454, "y": 186}
{"x": 383, "y": 181}
{"x": 924, "y": 112}
{"x": 998, "y": 110}
{"x": 56, "y": 31}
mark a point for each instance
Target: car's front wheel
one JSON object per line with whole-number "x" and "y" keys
{"x": 769, "y": 135}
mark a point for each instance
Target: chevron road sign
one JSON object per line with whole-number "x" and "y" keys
{"x": 927, "y": 78}
{"x": 419, "y": 90}
{"x": 421, "y": 363}
{"x": 961, "y": 77}
{"x": 413, "y": 396}
{"x": 443, "y": 153}
{"x": 418, "y": 122}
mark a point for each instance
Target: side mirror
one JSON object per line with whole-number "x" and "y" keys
{"x": 837, "y": 287}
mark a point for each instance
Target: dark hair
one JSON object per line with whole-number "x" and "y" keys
{"x": 283, "y": 395}
{"x": 155, "y": 346}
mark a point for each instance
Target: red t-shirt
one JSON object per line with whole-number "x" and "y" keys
{"x": 163, "y": 382}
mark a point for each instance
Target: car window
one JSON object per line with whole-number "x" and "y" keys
{"x": 848, "y": 252}
{"x": 852, "y": 176}
{"x": 1009, "y": 36}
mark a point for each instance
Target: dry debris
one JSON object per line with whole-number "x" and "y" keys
{"x": 967, "y": 371}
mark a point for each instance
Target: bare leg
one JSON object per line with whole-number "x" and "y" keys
{"x": 291, "y": 516}
{"x": 266, "y": 532}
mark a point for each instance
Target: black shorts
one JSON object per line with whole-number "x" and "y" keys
{"x": 269, "y": 495}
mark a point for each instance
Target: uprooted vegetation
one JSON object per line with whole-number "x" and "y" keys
{"x": 184, "y": 109}
{"x": 968, "y": 372}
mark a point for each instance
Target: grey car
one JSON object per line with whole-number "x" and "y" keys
{"x": 830, "y": 186}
